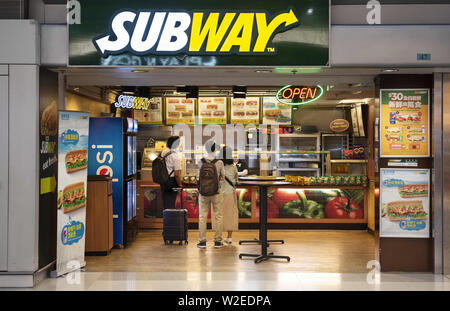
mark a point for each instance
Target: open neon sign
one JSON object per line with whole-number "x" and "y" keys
{"x": 299, "y": 95}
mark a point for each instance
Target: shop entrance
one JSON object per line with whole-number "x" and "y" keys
{"x": 326, "y": 216}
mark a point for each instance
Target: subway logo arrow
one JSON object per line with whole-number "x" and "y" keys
{"x": 201, "y": 33}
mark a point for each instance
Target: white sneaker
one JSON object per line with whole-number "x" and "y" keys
{"x": 228, "y": 241}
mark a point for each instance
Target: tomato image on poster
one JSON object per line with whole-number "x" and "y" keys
{"x": 314, "y": 203}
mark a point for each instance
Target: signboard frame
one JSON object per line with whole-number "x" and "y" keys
{"x": 428, "y": 221}
{"x": 262, "y": 64}
{"x": 428, "y": 124}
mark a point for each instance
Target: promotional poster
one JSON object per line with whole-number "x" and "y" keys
{"x": 405, "y": 203}
{"x": 153, "y": 115}
{"x": 276, "y": 113}
{"x": 405, "y": 123}
{"x": 212, "y": 110}
{"x": 180, "y": 110}
{"x": 73, "y": 142}
{"x": 245, "y": 110}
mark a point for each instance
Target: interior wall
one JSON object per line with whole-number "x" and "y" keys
{"x": 23, "y": 215}
{"x": 82, "y": 103}
{"x": 307, "y": 116}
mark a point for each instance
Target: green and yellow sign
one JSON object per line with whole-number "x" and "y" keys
{"x": 201, "y": 33}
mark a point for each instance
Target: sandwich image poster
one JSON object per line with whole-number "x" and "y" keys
{"x": 153, "y": 115}
{"x": 73, "y": 139}
{"x": 244, "y": 110}
{"x": 276, "y": 113}
{"x": 405, "y": 203}
{"x": 212, "y": 110}
{"x": 180, "y": 110}
{"x": 405, "y": 118}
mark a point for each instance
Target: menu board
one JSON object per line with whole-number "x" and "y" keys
{"x": 154, "y": 114}
{"x": 405, "y": 123}
{"x": 212, "y": 110}
{"x": 405, "y": 203}
{"x": 180, "y": 110}
{"x": 275, "y": 112}
{"x": 245, "y": 110}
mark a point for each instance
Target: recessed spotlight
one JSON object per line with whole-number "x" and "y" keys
{"x": 263, "y": 71}
{"x": 139, "y": 71}
{"x": 310, "y": 11}
{"x": 390, "y": 70}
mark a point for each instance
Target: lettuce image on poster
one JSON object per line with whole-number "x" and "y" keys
{"x": 72, "y": 232}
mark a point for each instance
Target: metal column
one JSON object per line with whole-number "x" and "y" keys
{"x": 4, "y": 172}
{"x": 446, "y": 173}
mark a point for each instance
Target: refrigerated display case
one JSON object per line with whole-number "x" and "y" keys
{"x": 289, "y": 162}
{"x": 335, "y": 144}
{"x": 112, "y": 148}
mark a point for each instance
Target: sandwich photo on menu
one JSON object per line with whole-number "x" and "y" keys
{"x": 212, "y": 106}
{"x": 76, "y": 160}
{"x": 394, "y": 138}
{"x": 394, "y": 130}
{"x": 238, "y": 103}
{"x": 205, "y": 113}
{"x": 252, "y": 103}
{"x": 219, "y": 113}
{"x": 73, "y": 197}
{"x": 219, "y": 100}
{"x": 411, "y": 191}
{"x": 400, "y": 210}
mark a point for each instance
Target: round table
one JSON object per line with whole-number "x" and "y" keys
{"x": 263, "y": 185}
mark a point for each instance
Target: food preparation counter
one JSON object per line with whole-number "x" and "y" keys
{"x": 287, "y": 204}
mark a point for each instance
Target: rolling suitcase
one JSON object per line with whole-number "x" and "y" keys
{"x": 175, "y": 226}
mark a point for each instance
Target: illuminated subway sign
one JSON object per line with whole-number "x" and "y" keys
{"x": 202, "y": 33}
{"x": 299, "y": 95}
{"x": 132, "y": 102}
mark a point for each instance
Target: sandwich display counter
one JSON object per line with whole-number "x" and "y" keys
{"x": 320, "y": 199}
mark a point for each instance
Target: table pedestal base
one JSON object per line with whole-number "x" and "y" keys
{"x": 259, "y": 258}
{"x": 256, "y": 241}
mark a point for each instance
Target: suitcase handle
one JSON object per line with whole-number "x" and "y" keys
{"x": 180, "y": 191}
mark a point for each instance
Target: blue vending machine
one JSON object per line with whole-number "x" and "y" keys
{"x": 112, "y": 151}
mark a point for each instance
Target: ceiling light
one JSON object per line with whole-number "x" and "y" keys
{"x": 263, "y": 71}
{"x": 310, "y": 11}
{"x": 390, "y": 70}
{"x": 139, "y": 71}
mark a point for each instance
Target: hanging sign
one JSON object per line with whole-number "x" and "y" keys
{"x": 276, "y": 32}
{"x": 299, "y": 95}
{"x": 132, "y": 102}
{"x": 72, "y": 184}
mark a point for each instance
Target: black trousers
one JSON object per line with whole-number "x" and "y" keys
{"x": 168, "y": 194}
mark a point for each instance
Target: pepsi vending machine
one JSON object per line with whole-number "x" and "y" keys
{"x": 112, "y": 151}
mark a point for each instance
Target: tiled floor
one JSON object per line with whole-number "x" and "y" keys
{"x": 320, "y": 260}
{"x": 237, "y": 281}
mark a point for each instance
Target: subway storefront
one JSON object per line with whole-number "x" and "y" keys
{"x": 349, "y": 149}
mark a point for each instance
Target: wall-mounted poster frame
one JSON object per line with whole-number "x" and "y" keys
{"x": 410, "y": 137}
{"x": 405, "y": 203}
{"x": 176, "y": 110}
{"x": 245, "y": 110}
{"x": 212, "y": 109}
{"x": 274, "y": 112}
{"x": 154, "y": 115}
